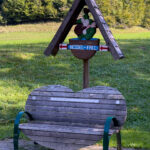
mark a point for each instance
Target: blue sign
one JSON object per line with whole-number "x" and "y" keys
{"x": 84, "y": 47}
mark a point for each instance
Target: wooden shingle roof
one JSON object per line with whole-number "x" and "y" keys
{"x": 70, "y": 20}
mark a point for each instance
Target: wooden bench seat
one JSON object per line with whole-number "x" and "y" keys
{"x": 54, "y": 135}
{"x": 64, "y": 120}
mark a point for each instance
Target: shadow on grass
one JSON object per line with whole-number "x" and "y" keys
{"x": 26, "y": 66}
{"x": 24, "y": 48}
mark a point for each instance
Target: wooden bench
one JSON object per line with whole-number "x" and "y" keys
{"x": 64, "y": 120}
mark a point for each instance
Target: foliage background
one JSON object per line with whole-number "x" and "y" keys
{"x": 118, "y": 13}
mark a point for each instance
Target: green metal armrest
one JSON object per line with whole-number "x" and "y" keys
{"x": 106, "y": 132}
{"x": 16, "y": 127}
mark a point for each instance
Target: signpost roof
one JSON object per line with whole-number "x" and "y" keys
{"x": 70, "y": 20}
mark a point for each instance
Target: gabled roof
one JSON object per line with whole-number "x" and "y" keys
{"x": 70, "y": 20}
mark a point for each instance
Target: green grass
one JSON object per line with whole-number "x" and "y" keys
{"x": 23, "y": 67}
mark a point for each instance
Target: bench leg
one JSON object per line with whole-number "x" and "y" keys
{"x": 118, "y": 136}
{"x": 106, "y": 133}
{"x": 16, "y": 128}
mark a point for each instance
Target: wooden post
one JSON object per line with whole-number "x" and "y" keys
{"x": 85, "y": 55}
{"x": 85, "y": 73}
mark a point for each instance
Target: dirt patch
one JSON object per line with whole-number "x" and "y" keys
{"x": 29, "y": 145}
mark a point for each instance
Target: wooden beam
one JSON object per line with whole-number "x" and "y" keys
{"x": 104, "y": 29}
{"x": 65, "y": 27}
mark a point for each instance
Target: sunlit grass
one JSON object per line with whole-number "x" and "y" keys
{"x": 131, "y": 138}
{"x": 23, "y": 67}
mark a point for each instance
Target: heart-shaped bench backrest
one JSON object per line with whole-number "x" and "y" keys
{"x": 91, "y": 106}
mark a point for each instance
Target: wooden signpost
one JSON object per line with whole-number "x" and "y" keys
{"x": 62, "y": 119}
{"x": 85, "y": 55}
{"x": 85, "y": 46}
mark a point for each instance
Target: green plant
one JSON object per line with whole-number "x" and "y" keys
{"x": 146, "y": 20}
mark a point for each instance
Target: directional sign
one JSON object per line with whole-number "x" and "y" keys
{"x": 83, "y": 47}
{"x": 64, "y": 46}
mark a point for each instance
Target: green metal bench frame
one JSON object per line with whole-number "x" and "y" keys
{"x": 106, "y": 137}
{"x": 16, "y": 128}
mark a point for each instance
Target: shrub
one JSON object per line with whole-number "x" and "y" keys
{"x": 14, "y": 11}
{"x": 146, "y": 20}
{"x": 19, "y": 11}
{"x": 118, "y": 13}
{"x": 2, "y": 20}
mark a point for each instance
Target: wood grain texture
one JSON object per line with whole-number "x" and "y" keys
{"x": 85, "y": 94}
{"x": 69, "y": 21}
{"x": 113, "y": 99}
{"x": 62, "y": 129}
{"x": 77, "y": 111}
{"x": 61, "y": 140}
{"x": 110, "y": 41}
{"x": 61, "y": 134}
{"x": 64, "y": 118}
{"x": 61, "y": 146}
{"x": 107, "y": 106}
{"x": 48, "y": 129}
{"x": 65, "y": 27}
{"x": 88, "y": 105}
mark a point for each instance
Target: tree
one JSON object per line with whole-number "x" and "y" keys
{"x": 146, "y": 20}
{"x": 20, "y": 11}
{"x": 13, "y": 11}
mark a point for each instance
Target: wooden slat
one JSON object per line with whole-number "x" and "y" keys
{"x": 101, "y": 101}
{"x": 101, "y": 92}
{"x": 97, "y": 91}
{"x": 74, "y": 119}
{"x": 62, "y": 135}
{"x": 90, "y": 121}
{"x": 63, "y": 129}
{"x": 74, "y": 110}
{"x": 68, "y": 124}
{"x": 64, "y": 94}
{"x": 63, "y": 30}
{"x": 72, "y": 116}
{"x": 90, "y": 106}
{"x": 117, "y": 54}
{"x": 42, "y": 102}
{"x": 86, "y": 94}
{"x": 61, "y": 140}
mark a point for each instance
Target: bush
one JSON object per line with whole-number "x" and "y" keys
{"x": 14, "y": 11}
{"x": 146, "y": 20}
{"x": 123, "y": 12}
{"x": 2, "y": 20}
{"x": 19, "y": 11}
{"x": 117, "y": 13}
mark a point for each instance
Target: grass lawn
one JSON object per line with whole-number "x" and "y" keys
{"x": 23, "y": 67}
